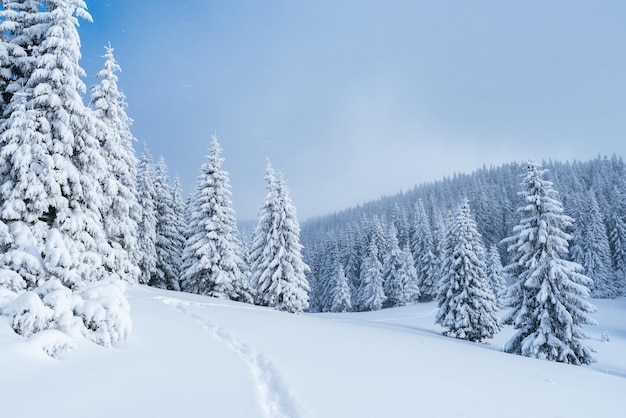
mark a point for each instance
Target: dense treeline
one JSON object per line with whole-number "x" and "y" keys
{"x": 358, "y": 241}
{"x": 81, "y": 216}
{"x": 195, "y": 246}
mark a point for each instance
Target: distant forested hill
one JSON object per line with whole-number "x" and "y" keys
{"x": 593, "y": 194}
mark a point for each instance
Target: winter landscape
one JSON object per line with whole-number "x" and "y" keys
{"x": 501, "y": 292}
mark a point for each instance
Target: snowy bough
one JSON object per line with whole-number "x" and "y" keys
{"x": 549, "y": 296}
{"x": 53, "y": 242}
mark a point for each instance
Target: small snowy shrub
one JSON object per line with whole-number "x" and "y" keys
{"x": 90, "y": 268}
{"x": 6, "y": 297}
{"x": 54, "y": 343}
{"x": 12, "y": 281}
{"x": 22, "y": 256}
{"x": 59, "y": 299}
{"x": 105, "y": 312}
{"x": 26, "y": 264}
{"x": 28, "y": 314}
{"x": 11, "y": 284}
{"x": 606, "y": 337}
{"x": 58, "y": 260}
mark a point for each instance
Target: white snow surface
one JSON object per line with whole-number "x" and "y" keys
{"x": 195, "y": 356}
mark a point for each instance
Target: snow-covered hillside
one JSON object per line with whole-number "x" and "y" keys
{"x": 194, "y": 356}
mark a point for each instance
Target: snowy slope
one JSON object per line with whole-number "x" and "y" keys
{"x": 192, "y": 356}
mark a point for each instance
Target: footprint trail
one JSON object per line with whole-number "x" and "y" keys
{"x": 275, "y": 398}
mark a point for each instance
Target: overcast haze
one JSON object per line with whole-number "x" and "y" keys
{"x": 352, "y": 100}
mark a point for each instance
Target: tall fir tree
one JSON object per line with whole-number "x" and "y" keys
{"x": 356, "y": 248}
{"x": 376, "y": 235}
{"x": 371, "y": 294}
{"x": 51, "y": 175}
{"x": 122, "y": 213}
{"x": 314, "y": 262}
{"x": 444, "y": 254}
{"x": 399, "y": 275}
{"x": 422, "y": 248}
{"x": 591, "y": 249}
{"x": 326, "y": 275}
{"x": 244, "y": 290}
{"x": 549, "y": 296}
{"x": 495, "y": 275}
{"x": 167, "y": 269}
{"x": 339, "y": 298}
{"x": 146, "y": 196}
{"x": 467, "y": 307}
{"x": 178, "y": 238}
{"x": 400, "y": 220}
{"x": 278, "y": 270}
{"x": 212, "y": 263}
{"x": 617, "y": 239}
{"x": 53, "y": 164}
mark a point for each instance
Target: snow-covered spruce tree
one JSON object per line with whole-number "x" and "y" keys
{"x": 371, "y": 294}
{"x": 376, "y": 235}
{"x": 339, "y": 298}
{"x": 400, "y": 220}
{"x": 467, "y": 308}
{"x": 212, "y": 263}
{"x": 167, "y": 269}
{"x": 591, "y": 249}
{"x": 58, "y": 143}
{"x": 245, "y": 292}
{"x": 422, "y": 248}
{"x": 410, "y": 277}
{"x": 495, "y": 276}
{"x": 617, "y": 239}
{"x": 122, "y": 213}
{"x": 178, "y": 238}
{"x": 319, "y": 297}
{"x": 51, "y": 172}
{"x": 399, "y": 275}
{"x": 314, "y": 258}
{"x": 146, "y": 196}
{"x": 355, "y": 250}
{"x": 549, "y": 296}
{"x": 445, "y": 245}
{"x": 278, "y": 270}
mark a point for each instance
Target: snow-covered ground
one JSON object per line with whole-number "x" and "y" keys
{"x": 193, "y": 356}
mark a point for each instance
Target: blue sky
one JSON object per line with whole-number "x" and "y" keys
{"x": 352, "y": 100}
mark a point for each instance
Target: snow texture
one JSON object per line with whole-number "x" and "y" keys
{"x": 105, "y": 313}
{"x": 230, "y": 359}
{"x": 275, "y": 398}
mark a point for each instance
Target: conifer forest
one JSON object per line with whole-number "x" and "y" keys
{"x": 83, "y": 215}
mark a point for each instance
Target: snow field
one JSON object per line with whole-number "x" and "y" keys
{"x": 192, "y": 356}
